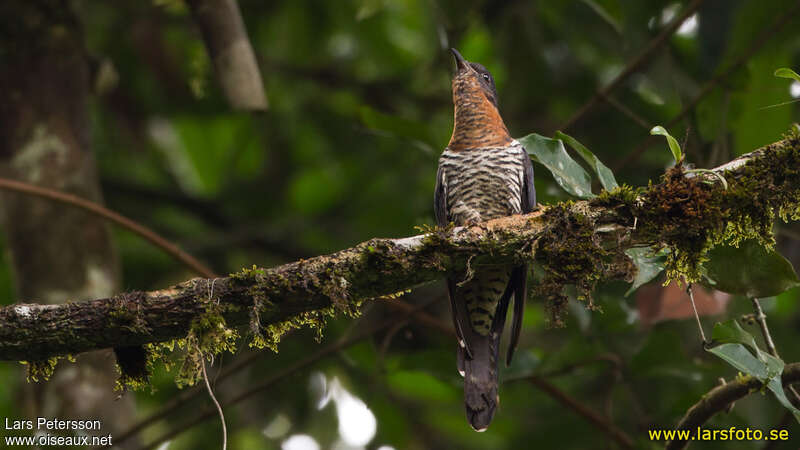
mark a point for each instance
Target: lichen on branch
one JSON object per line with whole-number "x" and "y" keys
{"x": 572, "y": 243}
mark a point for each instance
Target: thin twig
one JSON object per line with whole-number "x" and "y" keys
{"x": 759, "y": 42}
{"x": 422, "y": 317}
{"x": 636, "y": 64}
{"x": 718, "y": 399}
{"x": 387, "y": 342}
{"x": 94, "y": 208}
{"x": 594, "y": 418}
{"x": 641, "y": 121}
{"x": 601, "y": 422}
{"x": 611, "y": 358}
{"x": 761, "y": 318}
{"x": 229, "y": 48}
{"x": 281, "y": 374}
{"x": 216, "y": 403}
{"x": 696, "y": 316}
{"x": 188, "y": 395}
{"x": 167, "y": 313}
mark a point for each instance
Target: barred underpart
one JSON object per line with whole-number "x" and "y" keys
{"x": 482, "y": 184}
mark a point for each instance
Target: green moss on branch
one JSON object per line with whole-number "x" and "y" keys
{"x": 574, "y": 243}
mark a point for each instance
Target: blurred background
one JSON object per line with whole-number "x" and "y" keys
{"x": 118, "y": 102}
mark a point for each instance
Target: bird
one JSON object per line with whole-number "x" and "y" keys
{"x": 483, "y": 174}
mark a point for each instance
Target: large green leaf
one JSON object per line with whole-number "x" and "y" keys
{"x": 731, "y": 332}
{"x": 738, "y": 348}
{"x": 648, "y": 266}
{"x": 751, "y": 270}
{"x": 552, "y": 154}
{"x": 742, "y": 360}
{"x": 604, "y": 174}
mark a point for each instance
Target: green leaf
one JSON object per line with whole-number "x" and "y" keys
{"x": 604, "y": 174}
{"x": 552, "y": 154}
{"x": 731, "y": 345}
{"x": 741, "y": 359}
{"x": 648, "y": 266}
{"x": 776, "y": 386}
{"x": 730, "y": 332}
{"x": 673, "y": 144}
{"x": 785, "y": 72}
{"x": 751, "y": 270}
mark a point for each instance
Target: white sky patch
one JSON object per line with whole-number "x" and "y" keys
{"x": 300, "y": 442}
{"x": 386, "y": 447}
{"x": 689, "y": 27}
{"x": 794, "y": 89}
{"x": 357, "y": 423}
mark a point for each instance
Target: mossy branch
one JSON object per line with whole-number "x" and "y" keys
{"x": 718, "y": 399}
{"x": 578, "y": 243}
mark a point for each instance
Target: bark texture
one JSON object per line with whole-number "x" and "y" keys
{"x": 224, "y": 33}
{"x": 578, "y": 243}
{"x": 58, "y": 253}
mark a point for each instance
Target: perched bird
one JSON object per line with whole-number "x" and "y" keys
{"x": 483, "y": 174}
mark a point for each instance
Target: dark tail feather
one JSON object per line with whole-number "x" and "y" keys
{"x": 480, "y": 381}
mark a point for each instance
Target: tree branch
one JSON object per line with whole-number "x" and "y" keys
{"x": 576, "y": 243}
{"x": 635, "y": 65}
{"x": 100, "y": 210}
{"x": 594, "y": 418}
{"x": 763, "y": 37}
{"x": 720, "y": 397}
{"x": 229, "y": 48}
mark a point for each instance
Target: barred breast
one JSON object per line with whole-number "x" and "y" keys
{"x": 482, "y": 184}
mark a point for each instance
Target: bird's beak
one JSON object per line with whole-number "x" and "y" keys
{"x": 461, "y": 63}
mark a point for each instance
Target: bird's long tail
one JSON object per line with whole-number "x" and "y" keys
{"x": 480, "y": 380}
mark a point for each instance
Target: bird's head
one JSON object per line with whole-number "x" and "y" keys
{"x": 471, "y": 79}
{"x": 477, "y": 120}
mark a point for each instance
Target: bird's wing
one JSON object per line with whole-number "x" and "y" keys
{"x": 440, "y": 199}
{"x": 520, "y": 274}
{"x": 528, "y": 189}
{"x": 517, "y": 284}
{"x": 461, "y": 322}
{"x": 459, "y": 308}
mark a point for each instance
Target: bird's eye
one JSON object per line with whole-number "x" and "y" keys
{"x": 487, "y": 77}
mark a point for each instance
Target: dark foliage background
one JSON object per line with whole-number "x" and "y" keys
{"x": 360, "y": 109}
